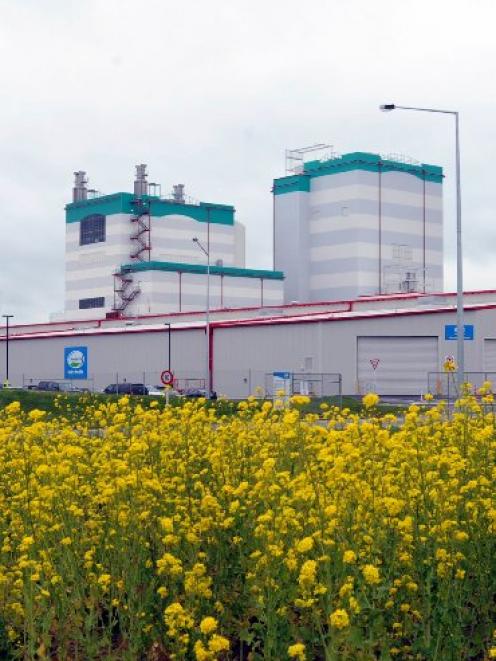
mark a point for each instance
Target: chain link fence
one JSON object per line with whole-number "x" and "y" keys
{"x": 316, "y": 385}
{"x": 444, "y": 384}
{"x": 234, "y": 384}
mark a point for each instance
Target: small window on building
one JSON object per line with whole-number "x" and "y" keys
{"x": 345, "y": 211}
{"x": 402, "y": 252}
{"x": 92, "y": 229}
{"x": 88, "y": 303}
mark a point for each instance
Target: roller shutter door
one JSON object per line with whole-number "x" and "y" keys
{"x": 490, "y": 356}
{"x": 402, "y": 367}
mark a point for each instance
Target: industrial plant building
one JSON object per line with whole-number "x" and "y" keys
{"x": 359, "y": 225}
{"x": 354, "y": 302}
{"x": 140, "y": 253}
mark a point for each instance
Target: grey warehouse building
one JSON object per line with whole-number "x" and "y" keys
{"x": 388, "y": 344}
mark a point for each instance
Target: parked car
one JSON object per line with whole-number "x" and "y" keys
{"x": 126, "y": 389}
{"x": 48, "y": 386}
{"x": 155, "y": 391}
{"x": 71, "y": 387}
{"x": 195, "y": 392}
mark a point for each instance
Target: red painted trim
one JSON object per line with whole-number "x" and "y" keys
{"x": 349, "y": 302}
{"x": 210, "y": 358}
{"x": 108, "y": 332}
{"x": 278, "y": 321}
{"x": 273, "y": 321}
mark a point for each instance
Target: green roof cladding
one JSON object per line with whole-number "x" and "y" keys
{"x": 202, "y": 269}
{"x": 123, "y": 203}
{"x": 347, "y": 163}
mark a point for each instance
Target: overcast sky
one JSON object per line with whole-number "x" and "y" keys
{"x": 211, "y": 92}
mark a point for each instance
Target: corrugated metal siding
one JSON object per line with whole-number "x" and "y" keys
{"x": 404, "y": 363}
{"x": 242, "y": 356}
{"x": 129, "y": 356}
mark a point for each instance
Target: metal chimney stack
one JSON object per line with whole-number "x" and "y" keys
{"x": 178, "y": 193}
{"x": 140, "y": 183}
{"x": 80, "y": 192}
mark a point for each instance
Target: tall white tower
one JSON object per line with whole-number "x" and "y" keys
{"x": 359, "y": 225}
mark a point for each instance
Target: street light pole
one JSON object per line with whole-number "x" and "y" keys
{"x": 207, "y": 313}
{"x": 460, "y": 328}
{"x": 169, "y": 341}
{"x": 7, "y": 317}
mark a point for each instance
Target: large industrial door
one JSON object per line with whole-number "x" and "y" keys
{"x": 395, "y": 365}
{"x": 490, "y": 355}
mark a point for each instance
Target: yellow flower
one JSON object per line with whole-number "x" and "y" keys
{"x": 370, "y": 400}
{"x": 13, "y": 408}
{"x": 36, "y": 414}
{"x": 308, "y": 573}
{"x": 297, "y": 651}
{"x": 208, "y": 625}
{"x": 371, "y": 574}
{"x": 339, "y": 619}
{"x": 349, "y": 557}
{"x": 304, "y": 545}
{"x": 218, "y": 644}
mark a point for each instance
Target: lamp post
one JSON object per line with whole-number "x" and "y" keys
{"x": 169, "y": 342}
{"x": 207, "y": 314}
{"x": 7, "y": 317}
{"x": 460, "y": 329}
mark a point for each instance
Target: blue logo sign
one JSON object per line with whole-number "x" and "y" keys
{"x": 282, "y": 375}
{"x": 451, "y": 332}
{"x": 75, "y": 362}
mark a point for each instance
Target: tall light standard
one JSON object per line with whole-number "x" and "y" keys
{"x": 460, "y": 328}
{"x": 7, "y": 317}
{"x": 207, "y": 315}
{"x": 169, "y": 343}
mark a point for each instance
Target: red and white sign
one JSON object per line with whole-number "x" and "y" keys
{"x": 375, "y": 363}
{"x": 167, "y": 378}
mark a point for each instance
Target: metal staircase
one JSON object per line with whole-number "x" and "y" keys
{"x": 125, "y": 290}
{"x": 141, "y": 237}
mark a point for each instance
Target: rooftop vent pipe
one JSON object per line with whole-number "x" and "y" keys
{"x": 178, "y": 193}
{"x": 140, "y": 183}
{"x": 80, "y": 192}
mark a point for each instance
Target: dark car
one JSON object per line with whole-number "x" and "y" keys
{"x": 126, "y": 389}
{"x": 49, "y": 386}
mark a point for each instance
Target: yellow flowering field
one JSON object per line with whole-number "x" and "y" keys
{"x": 133, "y": 532}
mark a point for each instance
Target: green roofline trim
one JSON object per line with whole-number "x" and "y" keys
{"x": 107, "y": 205}
{"x": 202, "y": 269}
{"x": 349, "y": 162}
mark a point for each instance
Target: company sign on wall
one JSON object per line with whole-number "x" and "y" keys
{"x": 75, "y": 362}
